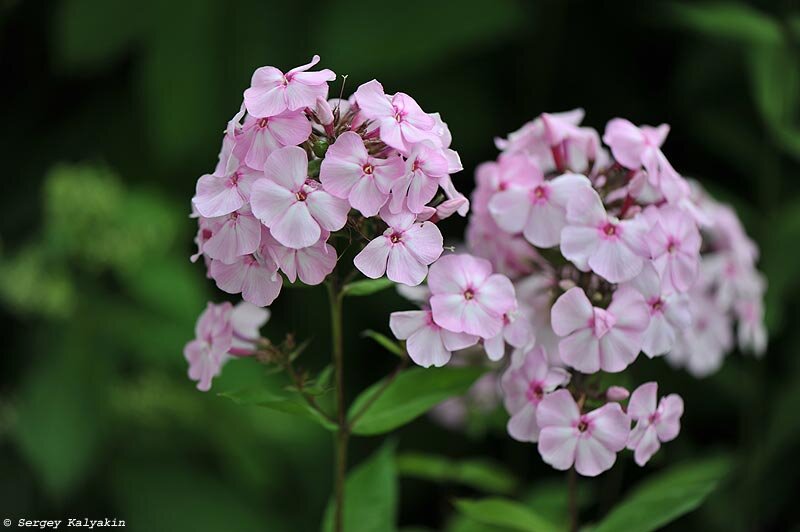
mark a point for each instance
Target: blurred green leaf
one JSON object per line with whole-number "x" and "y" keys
{"x": 666, "y": 496}
{"x": 479, "y": 473}
{"x": 411, "y": 394}
{"x": 384, "y": 341}
{"x": 504, "y": 513}
{"x": 366, "y": 287}
{"x": 289, "y": 404}
{"x": 780, "y": 267}
{"x": 550, "y": 499}
{"x": 729, "y": 20}
{"x": 32, "y": 283}
{"x": 370, "y": 503}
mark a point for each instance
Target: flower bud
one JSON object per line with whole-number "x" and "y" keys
{"x": 617, "y": 393}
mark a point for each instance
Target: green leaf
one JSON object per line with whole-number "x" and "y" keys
{"x": 504, "y": 513}
{"x": 366, "y": 287}
{"x": 292, "y": 404}
{"x": 410, "y": 395}
{"x": 370, "y": 503}
{"x": 666, "y": 496}
{"x": 385, "y": 342}
{"x": 733, "y": 21}
{"x": 480, "y": 474}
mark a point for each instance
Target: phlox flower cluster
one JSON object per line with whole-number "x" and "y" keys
{"x": 611, "y": 253}
{"x": 298, "y": 172}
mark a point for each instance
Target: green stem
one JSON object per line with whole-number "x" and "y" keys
{"x": 572, "y": 480}
{"x": 343, "y": 432}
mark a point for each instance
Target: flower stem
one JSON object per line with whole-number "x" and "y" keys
{"x": 343, "y": 432}
{"x": 572, "y": 484}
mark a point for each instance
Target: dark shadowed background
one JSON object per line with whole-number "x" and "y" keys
{"x": 112, "y": 110}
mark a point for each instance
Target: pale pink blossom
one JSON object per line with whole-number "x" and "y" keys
{"x": 255, "y": 276}
{"x": 247, "y": 320}
{"x": 404, "y": 250}
{"x": 514, "y": 170}
{"x": 635, "y": 148}
{"x": 702, "y": 346}
{"x": 538, "y": 209}
{"x": 426, "y": 342}
{"x": 614, "y": 249}
{"x": 655, "y": 423}
{"x": 296, "y": 209}
{"x": 400, "y": 120}
{"x": 233, "y": 235}
{"x": 272, "y": 92}
{"x": 596, "y": 339}
{"x": 516, "y": 332}
{"x": 349, "y": 172}
{"x": 751, "y": 330}
{"x": 669, "y": 312}
{"x": 535, "y": 137}
{"x": 224, "y": 191}
{"x": 265, "y": 135}
{"x": 208, "y": 351}
{"x": 511, "y": 255}
{"x": 675, "y": 248}
{"x": 467, "y": 297}
{"x": 311, "y": 264}
{"x": 424, "y": 169}
{"x": 524, "y": 386}
{"x": 590, "y": 441}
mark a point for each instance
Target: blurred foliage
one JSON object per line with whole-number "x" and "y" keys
{"x": 114, "y": 109}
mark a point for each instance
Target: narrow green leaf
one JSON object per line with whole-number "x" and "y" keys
{"x": 366, "y": 287}
{"x": 666, "y": 496}
{"x": 370, "y": 503}
{"x": 730, "y": 20}
{"x": 385, "y": 342}
{"x": 480, "y": 474}
{"x": 504, "y": 513}
{"x": 410, "y": 395}
{"x": 291, "y": 404}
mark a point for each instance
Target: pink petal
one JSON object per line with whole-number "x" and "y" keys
{"x": 592, "y": 457}
{"x": 618, "y": 349}
{"x": 585, "y": 208}
{"x": 647, "y": 446}
{"x": 496, "y": 294}
{"x": 372, "y": 260}
{"x": 426, "y": 349}
{"x": 343, "y": 164}
{"x": 643, "y": 401}
{"x": 265, "y": 101}
{"x": 290, "y": 129}
{"x": 495, "y": 347}
{"x": 404, "y": 324}
{"x": 404, "y": 268}
{"x": 558, "y": 409}
{"x": 557, "y": 445}
{"x": 288, "y": 167}
{"x": 610, "y": 426}
{"x": 659, "y": 336}
{"x": 581, "y": 350}
{"x": 615, "y": 262}
{"x": 522, "y": 426}
{"x": 578, "y": 244}
{"x": 424, "y": 241}
{"x": 630, "y": 310}
{"x": 457, "y": 341}
{"x": 215, "y": 198}
{"x": 236, "y": 237}
{"x": 669, "y": 424}
{"x": 315, "y": 263}
{"x": 269, "y": 201}
{"x": 544, "y": 225}
{"x": 571, "y": 311}
{"x": 261, "y": 285}
{"x": 510, "y": 209}
{"x": 372, "y": 100}
{"x": 300, "y": 95}
{"x": 330, "y": 212}
{"x": 296, "y": 228}
{"x": 367, "y": 198}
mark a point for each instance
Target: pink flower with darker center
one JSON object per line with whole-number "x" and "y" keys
{"x": 349, "y": 172}
{"x": 403, "y": 251}
{"x": 614, "y": 249}
{"x": 424, "y": 170}
{"x": 467, "y": 297}
{"x": 226, "y": 190}
{"x": 255, "y": 276}
{"x": 262, "y": 136}
{"x": 311, "y": 264}
{"x": 655, "y": 424}
{"x": 296, "y": 209}
{"x": 232, "y": 235}
{"x": 537, "y": 209}
{"x": 675, "y": 248}
{"x": 524, "y": 386}
{"x": 635, "y": 148}
{"x": 590, "y": 441}
{"x": 516, "y": 332}
{"x": 427, "y": 343}
{"x": 272, "y": 92}
{"x": 400, "y": 120}
{"x": 594, "y": 338}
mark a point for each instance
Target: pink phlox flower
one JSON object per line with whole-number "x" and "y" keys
{"x": 590, "y": 441}
{"x": 635, "y": 148}
{"x": 427, "y": 343}
{"x": 612, "y": 248}
{"x": 468, "y": 297}
{"x": 444, "y": 210}
{"x": 226, "y": 190}
{"x": 424, "y": 169}
{"x": 596, "y": 339}
{"x": 702, "y": 346}
{"x": 510, "y": 171}
{"x": 674, "y": 244}
{"x": 295, "y": 208}
{"x": 404, "y": 250}
{"x": 311, "y": 264}
{"x": 516, "y": 332}
{"x": 655, "y": 424}
{"x": 534, "y": 138}
{"x": 751, "y": 330}
{"x": 232, "y": 235}
{"x": 349, "y": 172}
{"x": 255, "y": 276}
{"x": 669, "y": 312}
{"x": 247, "y": 320}
{"x": 538, "y": 210}
{"x": 524, "y": 386}
{"x": 265, "y": 135}
{"x": 205, "y": 230}
{"x": 401, "y": 122}
{"x": 272, "y": 92}
{"x": 208, "y": 351}
{"x": 446, "y": 182}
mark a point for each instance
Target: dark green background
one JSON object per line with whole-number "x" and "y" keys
{"x": 112, "y": 109}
